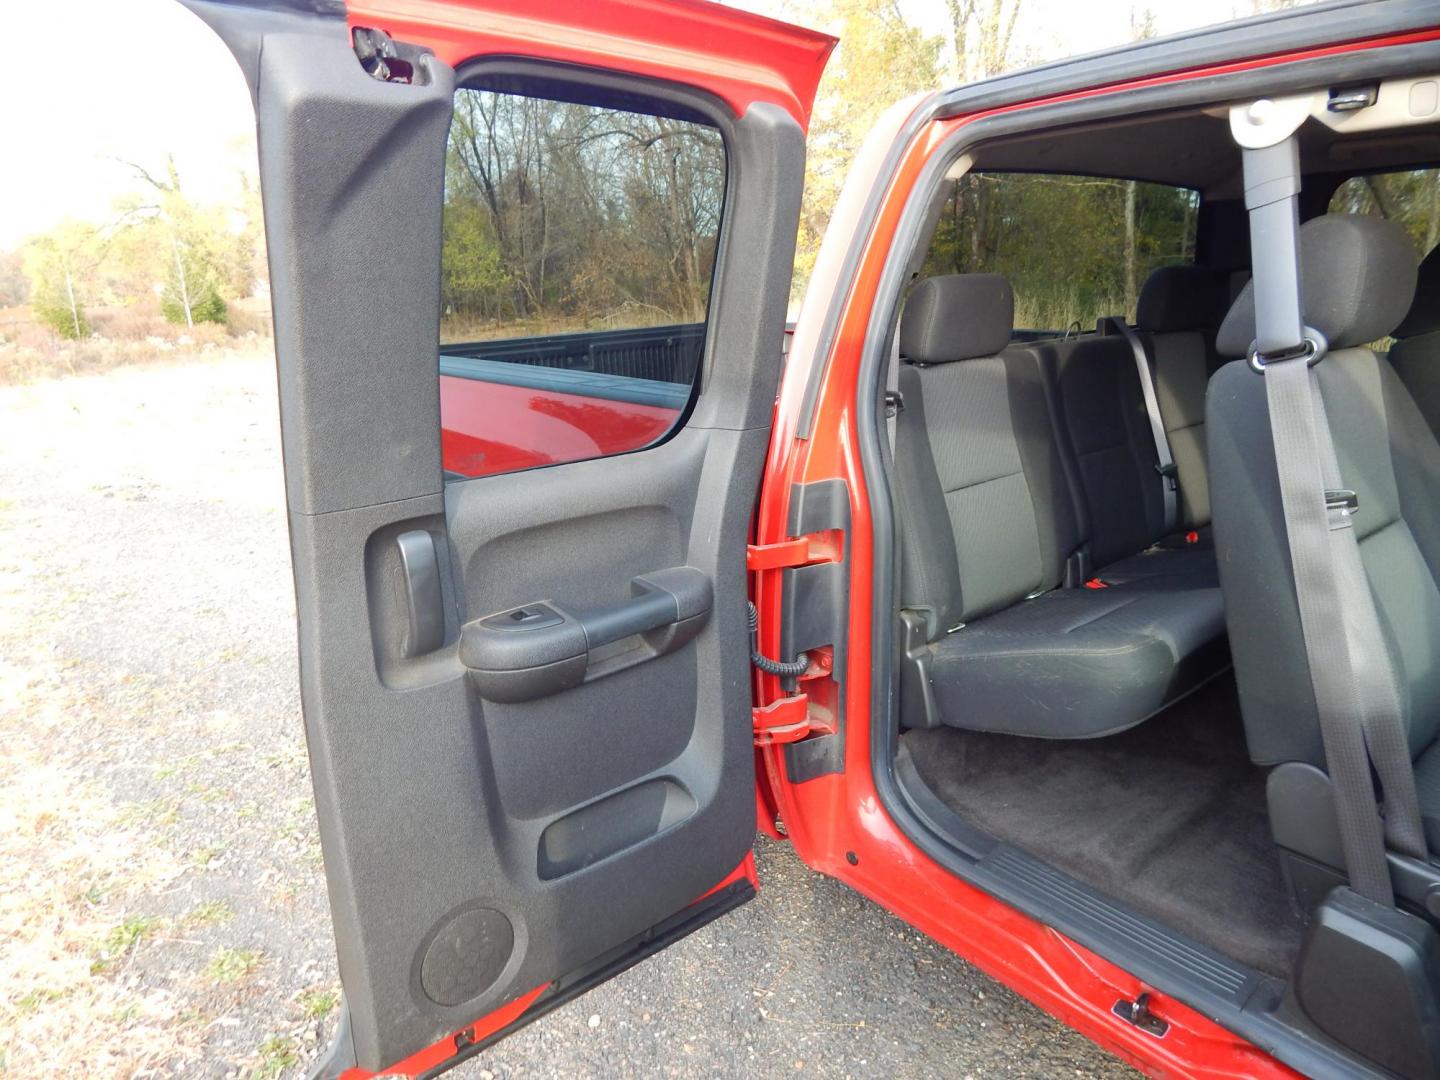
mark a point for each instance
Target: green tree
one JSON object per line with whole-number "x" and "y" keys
{"x": 14, "y": 285}
{"x": 1411, "y": 197}
{"x": 557, "y": 212}
{"x": 471, "y": 270}
{"x": 1115, "y": 233}
{"x": 61, "y": 266}
{"x": 881, "y": 58}
{"x": 196, "y": 253}
{"x": 982, "y": 38}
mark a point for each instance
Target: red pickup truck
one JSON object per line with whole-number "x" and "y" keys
{"x": 1105, "y": 651}
{"x": 521, "y": 402}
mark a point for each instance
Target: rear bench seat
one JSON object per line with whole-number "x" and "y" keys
{"x": 1178, "y": 317}
{"x": 995, "y": 500}
{"x": 1106, "y": 432}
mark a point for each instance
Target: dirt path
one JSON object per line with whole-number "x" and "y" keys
{"x": 163, "y": 912}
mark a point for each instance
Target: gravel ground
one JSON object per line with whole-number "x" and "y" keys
{"x": 163, "y": 909}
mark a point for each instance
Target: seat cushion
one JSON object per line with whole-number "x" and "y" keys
{"x": 1077, "y": 663}
{"x": 1427, "y": 787}
{"x": 1180, "y": 567}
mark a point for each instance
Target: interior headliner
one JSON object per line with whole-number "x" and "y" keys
{"x": 1194, "y": 149}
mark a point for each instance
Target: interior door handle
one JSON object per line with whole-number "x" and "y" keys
{"x": 543, "y": 648}
{"x": 420, "y": 568}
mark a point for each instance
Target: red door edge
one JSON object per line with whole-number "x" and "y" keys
{"x": 838, "y": 824}
{"x": 739, "y": 57}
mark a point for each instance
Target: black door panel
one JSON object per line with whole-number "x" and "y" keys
{"x": 480, "y": 841}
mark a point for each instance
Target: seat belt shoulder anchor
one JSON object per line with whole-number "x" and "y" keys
{"x": 1313, "y": 348}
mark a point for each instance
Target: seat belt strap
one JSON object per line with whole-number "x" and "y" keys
{"x": 1165, "y": 460}
{"x": 893, "y": 401}
{"x": 1319, "y": 595}
{"x": 1381, "y": 716}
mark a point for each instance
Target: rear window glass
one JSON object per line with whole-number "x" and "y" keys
{"x": 579, "y": 242}
{"x": 1411, "y": 197}
{"x": 1074, "y": 248}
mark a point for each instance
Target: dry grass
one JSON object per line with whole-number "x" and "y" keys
{"x": 70, "y": 928}
{"x": 464, "y": 328}
{"x": 135, "y": 935}
{"x": 121, "y": 336}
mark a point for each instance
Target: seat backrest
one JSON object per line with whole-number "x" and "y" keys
{"x": 985, "y": 518}
{"x": 1108, "y": 444}
{"x": 1178, "y": 313}
{"x": 1416, "y": 352}
{"x": 1358, "y": 275}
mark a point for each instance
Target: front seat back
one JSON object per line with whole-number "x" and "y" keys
{"x": 1358, "y": 277}
{"x": 1416, "y": 352}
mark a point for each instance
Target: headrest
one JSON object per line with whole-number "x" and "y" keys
{"x": 1357, "y": 278}
{"x": 1179, "y": 298}
{"x": 1424, "y": 316}
{"x": 956, "y": 317}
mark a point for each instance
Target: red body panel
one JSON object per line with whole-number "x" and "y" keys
{"x": 491, "y": 428}
{"x": 739, "y": 57}
{"x": 837, "y": 823}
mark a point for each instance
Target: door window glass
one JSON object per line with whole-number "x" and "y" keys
{"x": 1074, "y": 248}
{"x": 579, "y": 242}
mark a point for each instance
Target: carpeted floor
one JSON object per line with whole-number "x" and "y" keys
{"x": 1169, "y": 817}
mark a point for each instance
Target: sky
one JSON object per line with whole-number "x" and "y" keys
{"x": 153, "y": 79}
{"x": 156, "y": 81}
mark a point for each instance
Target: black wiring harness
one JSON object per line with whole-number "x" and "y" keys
{"x": 792, "y": 669}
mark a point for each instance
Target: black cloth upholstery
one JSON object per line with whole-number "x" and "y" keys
{"x": 1107, "y": 435}
{"x": 1388, "y": 455}
{"x": 1357, "y": 279}
{"x": 1416, "y": 355}
{"x": 957, "y": 317}
{"x": 1427, "y": 788}
{"x": 1179, "y": 298}
{"x": 1178, "y": 315}
{"x": 993, "y": 501}
{"x": 1086, "y": 662}
{"x": 988, "y": 520}
{"x": 1424, "y": 314}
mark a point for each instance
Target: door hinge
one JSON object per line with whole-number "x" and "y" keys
{"x": 784, "y": 721}
{"x": 794, "y": 718}
{"x": 797, "y": 551}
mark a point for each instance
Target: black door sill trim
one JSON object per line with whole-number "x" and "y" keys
{"x": 1237, "y": 997}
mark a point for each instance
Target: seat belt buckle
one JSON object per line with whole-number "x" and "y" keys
{"x": 1342, "y": 499}
{"x": 1077, "y": 569}
{"x": 894, "y": 403}
{"x": 1170, "y": 472}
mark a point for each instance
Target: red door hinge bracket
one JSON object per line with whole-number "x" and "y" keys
{"x": 784, "y": 721}
{"x": 798, "y": 551}
{"x": 777, "y": 556}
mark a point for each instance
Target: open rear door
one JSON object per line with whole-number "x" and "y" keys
{"x": 526, "y": 693}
